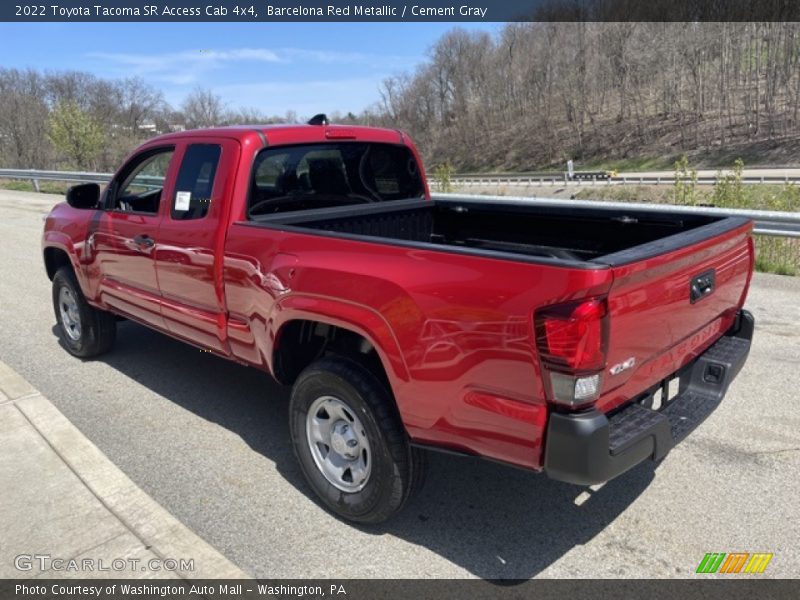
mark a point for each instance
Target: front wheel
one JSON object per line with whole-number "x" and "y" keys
{"x": 85, "y": 331}
{"x": 350, "y": 443}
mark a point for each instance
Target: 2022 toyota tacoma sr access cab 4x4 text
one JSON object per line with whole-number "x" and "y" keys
{"x": 536, "y": 336}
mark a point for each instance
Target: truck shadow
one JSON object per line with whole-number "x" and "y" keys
{"x": 492, "y": 521}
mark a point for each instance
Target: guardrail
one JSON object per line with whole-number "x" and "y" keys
{"x": 557, "y": 179}
{"x": 771, "y": 223}
{"x": 34, "y": 176}
{"x": 73, "y": 177}
{"x": 79, "y": 176}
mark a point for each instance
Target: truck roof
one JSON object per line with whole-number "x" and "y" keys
{"x": 295, "y": 133}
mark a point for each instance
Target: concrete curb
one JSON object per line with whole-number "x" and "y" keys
{"x": 160, "y": 532}
{"x": 12, "y": 386}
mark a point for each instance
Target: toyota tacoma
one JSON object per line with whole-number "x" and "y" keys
{"x": 576, "y": 342}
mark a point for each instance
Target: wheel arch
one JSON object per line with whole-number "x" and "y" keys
{"x": 59, "y": 251}
{"x": 304, "y": 329}
{"x": 55, "y": 257}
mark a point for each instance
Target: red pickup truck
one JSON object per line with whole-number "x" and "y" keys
{"x": 574, "y": 342}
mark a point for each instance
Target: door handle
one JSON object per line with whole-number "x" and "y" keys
{"x": 144, "y": 241}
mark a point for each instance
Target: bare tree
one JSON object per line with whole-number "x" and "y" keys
{"x": 139, "y": 102}
{"x": 203, "y": 108}
{"x": 538, "y": 93}
{"x": 530, "y": 96}
{"x": 23, "y": 120}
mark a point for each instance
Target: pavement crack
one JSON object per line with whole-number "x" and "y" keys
{"x": 774, "y": 451}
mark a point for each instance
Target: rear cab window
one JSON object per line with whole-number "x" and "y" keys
{"x": 195, "y": 182}
{"x": 312, "y": 176}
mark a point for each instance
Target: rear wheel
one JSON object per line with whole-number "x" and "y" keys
{"x": 85, "y": 331}
{"x": 350, "y": 443}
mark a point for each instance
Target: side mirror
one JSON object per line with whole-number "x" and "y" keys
{"x": 85, "y": 195}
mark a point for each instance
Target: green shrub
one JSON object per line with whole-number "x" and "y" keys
{"x": 729, "y": 192}
{"x": 442, "y": 178}
{"x": 685, "y": 187}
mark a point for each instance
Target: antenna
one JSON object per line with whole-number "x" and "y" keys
{"x": 320, "y": 119}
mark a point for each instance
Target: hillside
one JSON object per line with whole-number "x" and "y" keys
{"x": 536, "y": 94}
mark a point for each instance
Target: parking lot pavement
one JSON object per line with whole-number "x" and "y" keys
{"x": 67, "y": 511}
{"x": 208, "y": 440}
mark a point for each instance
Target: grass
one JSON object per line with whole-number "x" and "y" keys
{"x": 777, "y": 255}
{"x": 650, "y": 194}
{"x": 46, "y": 187}
{"x": 758, "y": 197}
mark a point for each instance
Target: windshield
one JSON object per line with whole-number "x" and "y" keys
{"x": 289, "y": 178}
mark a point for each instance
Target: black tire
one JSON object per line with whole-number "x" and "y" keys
{"x": 98, "y": 328}
{"x": 397, "y": 469}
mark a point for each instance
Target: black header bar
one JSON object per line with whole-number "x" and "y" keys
{"x": 398, "y": 10}
{"x": 698, "y": 588}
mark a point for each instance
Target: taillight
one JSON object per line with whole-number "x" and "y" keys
{"x": 573, "y": 335}
{"x": 339, "y": 133}
{"x": 572, "y": 340}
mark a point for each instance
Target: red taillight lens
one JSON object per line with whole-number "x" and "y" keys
{"x": 573, "y": 336}
{"x": 339, "y": 133}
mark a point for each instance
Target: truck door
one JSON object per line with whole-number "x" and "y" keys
{"x": 191, "y": 238}
{"x": 124, "y": 240}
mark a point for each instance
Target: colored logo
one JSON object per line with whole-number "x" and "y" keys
{"x": 738, "y": 562}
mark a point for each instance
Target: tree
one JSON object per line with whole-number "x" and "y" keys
{"x": 23, "y": 120}
{"x": 139, "y": 102}
{"x": 248, "y": 116}
{"x": 526, "y": 98}
{"x": 203, "y": 108}
{"x": 76, "y": 135}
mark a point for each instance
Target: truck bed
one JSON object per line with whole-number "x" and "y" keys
{"x": 516, "y": 230}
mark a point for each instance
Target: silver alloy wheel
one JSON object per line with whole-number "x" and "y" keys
{"x": 70, "y": 317}
{"x": 338, "y": 444}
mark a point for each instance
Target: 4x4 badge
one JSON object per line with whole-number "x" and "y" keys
{"x": 620, "y": 367}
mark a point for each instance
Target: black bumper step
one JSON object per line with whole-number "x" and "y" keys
{"x": 591, "y": 447}
{"x": 703, "y": 386}
{"x": 626, "y": 427}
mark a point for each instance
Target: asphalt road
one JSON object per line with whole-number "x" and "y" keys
{"x": 208, "y": 440}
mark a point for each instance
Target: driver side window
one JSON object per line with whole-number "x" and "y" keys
{"x": 142, "y": 183}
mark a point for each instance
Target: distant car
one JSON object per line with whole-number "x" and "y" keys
{"x": 541, "y": 337}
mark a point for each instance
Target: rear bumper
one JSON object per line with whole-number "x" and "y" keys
{"x": 590, "y": 447}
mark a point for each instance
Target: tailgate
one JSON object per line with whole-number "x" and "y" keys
{"x": 657, "y": 323}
